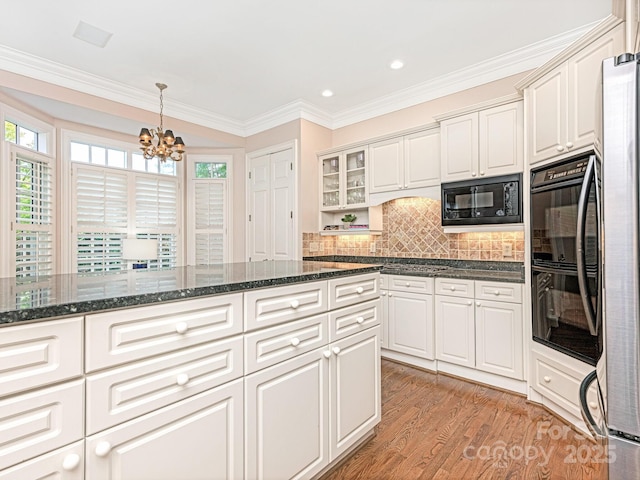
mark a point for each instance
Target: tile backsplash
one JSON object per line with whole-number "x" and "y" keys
{"x": 411, "y": 228}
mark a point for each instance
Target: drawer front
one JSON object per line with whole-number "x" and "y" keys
{"x": 127, "y": 392}
{"x": 264, "y": 308}
{"x": 355, "y": 289}
{"x": 499, "y": 291}
{"x": 406, "y": 283}
{"x": 354, "y": 319}
{"x": 38, "y": 422}
{"x": 40, "y": 353}
{"x": 63, "y": 464}
{"x": 454, "y": 287}
{"x": 557, "y": 382}
{"x": 273, "y": 345}
{"x": 127, "y": 335}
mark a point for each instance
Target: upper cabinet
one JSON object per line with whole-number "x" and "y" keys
{"x": 480, "y": 143}
{"x": 562, "y": 96}
{"x": 401, "y": 163}
{"x": 344, "y": 179}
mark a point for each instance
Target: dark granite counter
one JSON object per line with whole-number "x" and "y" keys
{"x": 512, "y": 272}
{"x": 59, "y": 295}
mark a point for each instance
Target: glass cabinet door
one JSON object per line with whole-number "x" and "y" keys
{"x": 355, "y": 181}
{"x": 331, "y": 181}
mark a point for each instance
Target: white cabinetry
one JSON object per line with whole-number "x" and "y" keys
{"x": 401, "y": 163}
{"x": 455, "y": 330}
{"x": 482, "y": 143}
{"x": 66, "y": 463}
{"x": 561, "y": 98}
{"x": 344, "y": 179}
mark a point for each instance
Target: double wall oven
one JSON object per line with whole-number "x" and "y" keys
{"x": 565, "y": 257}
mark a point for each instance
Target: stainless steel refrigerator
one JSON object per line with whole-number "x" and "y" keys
{"x": 617, "y": 373}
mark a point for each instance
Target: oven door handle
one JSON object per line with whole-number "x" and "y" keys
{"x": 580, "y": 250}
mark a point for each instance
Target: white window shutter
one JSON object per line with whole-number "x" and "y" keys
{"x": 156, "y": 202}
{"x": 101, "y": 197}
{"x": 210, "y": 201}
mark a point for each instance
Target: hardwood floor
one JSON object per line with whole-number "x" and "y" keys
{"x": 439, "y": 427}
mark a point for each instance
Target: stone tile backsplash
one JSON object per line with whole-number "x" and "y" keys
{"x": 411, "y": 229}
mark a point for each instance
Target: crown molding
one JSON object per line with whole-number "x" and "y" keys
{"x": 292, "y": 111}
{"x": 494, "y": 102}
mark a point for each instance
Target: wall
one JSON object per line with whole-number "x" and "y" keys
{"x": 411, "y": 229}
{"x": 314, "y": 138}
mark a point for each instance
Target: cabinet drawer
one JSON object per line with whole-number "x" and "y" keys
{"x": 67, "y": 463}
{"x": 407, "y": 283}
{"x": 454, "y": 287}
{"x": 127, "y": 392}
{"x": 273, "y": 345}
{"x": 355, "y": 289}
{"x": 560, "y": 383}
{"x": 123, "y": 336}
{"x": 499, "y": 291}
{"x": 271, "y": 306}
{"x": 38, "y": 422}
{"x": 39, "y": 353}
{"x": 354, "y": 319}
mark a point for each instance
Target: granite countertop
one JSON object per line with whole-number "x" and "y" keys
{"x": 69, "y": 294}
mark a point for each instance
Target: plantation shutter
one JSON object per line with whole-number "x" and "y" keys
{"x": 156, "y": 202}
{"x": 34, "y": 215}
{"x": 210, "y": 200}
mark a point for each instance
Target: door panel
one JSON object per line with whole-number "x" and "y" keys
{"x": 259, "y": 225}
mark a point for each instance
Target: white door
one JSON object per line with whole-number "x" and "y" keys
{"x": 501, "y": 140}
{"x": 287, "y": 408}
{"x": 386, "y": 166}
{"x": 355, "y": 388}
{"x": 411, "y": 324}
{"x": 271, "y": 206}
{"x": 196, "y": 438}
{"x": 422, "y": 159}
{"x": 455, "y": 330}
{"x": 459, "y": 142}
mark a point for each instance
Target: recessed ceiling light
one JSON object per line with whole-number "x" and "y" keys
{"x": 93, "y": 35}
{"x": 327, "y": 93}
{"x": 396, "y": 65}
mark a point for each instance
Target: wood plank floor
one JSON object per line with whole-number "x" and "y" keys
{"x": 439, "y": 427}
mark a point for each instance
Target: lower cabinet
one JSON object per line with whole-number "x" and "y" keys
{"x": 307, "y": 411}
{"x": 199, "y": 437}
{"x": 455, "y": 330}
{"x": 410, "y": 318}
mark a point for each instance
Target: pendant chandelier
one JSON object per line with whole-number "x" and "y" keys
{"x": 167, "y": 146}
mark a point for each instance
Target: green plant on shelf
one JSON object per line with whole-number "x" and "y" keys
{"x": 347, "y": 220}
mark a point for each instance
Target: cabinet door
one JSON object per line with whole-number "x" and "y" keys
{"x": 547, "y": 115}
{"x": 499, "y": 338}
{"x": 455, "y": 330}
{"x": 386, "y": 166}
{"x": 411, "y": 324}
{"x": 64, "y": 464}
{"x": 287, "y": 413}
{"x": 200, "y": 437}
{"x": 501, "y": 140}
{"x": 459, "y": 142}
{"x": 422, "y": 159}
{"x": 330, "y": 174}
{"x": 355, "y": 178}
{"x": 584, "y": 75}
{"x": 355, "y": 389}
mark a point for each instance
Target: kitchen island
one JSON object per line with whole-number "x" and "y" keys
{"x": 249, "y": 370}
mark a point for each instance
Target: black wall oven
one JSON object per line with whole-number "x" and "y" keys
{"x": 565, "y": 257}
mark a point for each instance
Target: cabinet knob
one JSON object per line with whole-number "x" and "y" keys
{"x": 569, "y": 145}
{"x": 295, "y": 341}
{"x": 473, "y": 174}
{"x": 326, "y": 354}
{"x": 103, "y": 448}
{"x": 336, "y": 350}
{"x": 182, "y": 379}
{"x": 593, "y": 405}
{"x": 70, "y": 462}
{"x": 359, "y": 290}
{"x": 453, "y": 288}
{"x": 182, "y": 327}
{"x": 560, "y": 148}
{"x": 481, "y": 173}
{"x": 547, "y": 379}
{"x": 294, "y": 304}
{"x": 391, "y": 294}
{"x": 497, "y": 293}
{"x": 469, "y": 302}
{"x": 383, "y": 293}
{"x": 477, "y": 304}
{"x": 406, "y": 186}
{"x": 360, "y": 320}
{"x": 408, "y": 284}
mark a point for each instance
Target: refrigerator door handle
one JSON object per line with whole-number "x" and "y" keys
{"x": 593, "y": 427}
{"x": 580, "y": 240}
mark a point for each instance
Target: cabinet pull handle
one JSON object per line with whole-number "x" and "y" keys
{"x": 359, "y": 290}
{"x": 481, "y": 174}
{"x": 477, "y": 304}
{"x": 547, "y": 379}
{"x": 360, "y": 320}
{"x": 326, "y": 354}
{"x": 295, "y": 341}
{"x": 103, "y": 448}
{"x": 593, "y": 405}
{"x": 497, "y": 293}
{"x": 70, "y": 462}
{"x": 569, "y": 145}
{"x": 336, "y": 350}
{"x": 560, "y": 148}
{"x": 294, "y": 304}
{"x": 469, "y": 302}
{"x": 182, "y": 379}
{"x": 390, "y": 294}
{"x": 182, "y": 327}
{"x": 383, "y": 293}
{"x": 408, "y": 284}
{"x": 453, "y": 288}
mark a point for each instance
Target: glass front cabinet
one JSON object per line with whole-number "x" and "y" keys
{"x": 344, "y": 180}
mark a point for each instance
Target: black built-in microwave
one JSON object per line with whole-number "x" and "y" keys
{"x": 492, "y": 200}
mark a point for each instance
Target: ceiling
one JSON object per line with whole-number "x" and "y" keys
{"x": 239, "y": 65}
